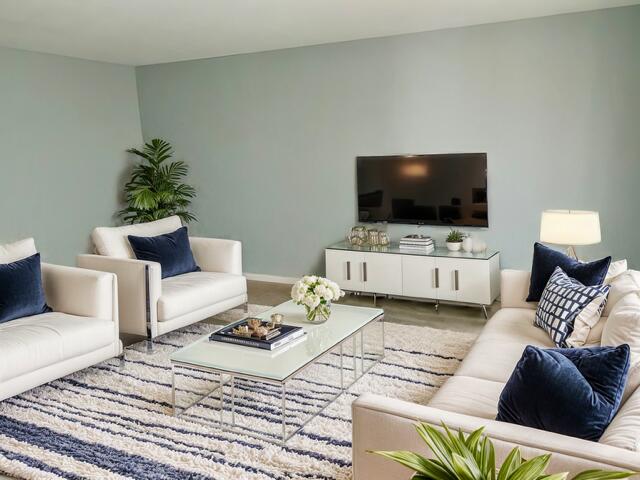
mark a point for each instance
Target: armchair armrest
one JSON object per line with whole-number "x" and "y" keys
{"x": 381, "y": 423}
{"x": 514, "y": 289}
{"x": 139, "y": 287}
{"x": 81, "y": 292}
{"x": 217, "y": 254}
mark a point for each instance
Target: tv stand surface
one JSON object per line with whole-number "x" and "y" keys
{"x": 440, "y": 275}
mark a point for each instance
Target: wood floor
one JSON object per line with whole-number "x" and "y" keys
{"x": 449, "y": 317}
{"x": 408, "y": 312}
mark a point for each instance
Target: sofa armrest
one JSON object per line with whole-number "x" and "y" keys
{"x": 81, "y": 292}
{"x": 381, "y": 423}
{"x": 217, "y": 254}
{"x": 139, "y": 287}
{"x": 514, "y": 289}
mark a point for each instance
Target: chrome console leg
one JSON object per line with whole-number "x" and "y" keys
{"x": 437, "y": 305}
{"x": 484, "y": 310}
{"x": 341, "y": 368}
{"x": 233, "y": 401}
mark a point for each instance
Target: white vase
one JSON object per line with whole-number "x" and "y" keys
{"x": 467, "y": 244}
{"x": 454, "y": 246}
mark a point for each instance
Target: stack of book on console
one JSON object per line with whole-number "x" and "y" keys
{"x": 257, "y": 333}
{"x": 419, "y": 243}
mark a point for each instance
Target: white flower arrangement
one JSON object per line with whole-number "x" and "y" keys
{"x": 316, "y": 294}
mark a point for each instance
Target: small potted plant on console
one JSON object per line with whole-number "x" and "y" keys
{"x": 454, "y": 240}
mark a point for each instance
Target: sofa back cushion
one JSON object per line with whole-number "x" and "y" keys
{"x": 621, "y": 286}
{"x": 10, "y": 252}
{"x": 21, "y": 291}
{"x": 113, "y": 241}
{"x": 623, "y": 326}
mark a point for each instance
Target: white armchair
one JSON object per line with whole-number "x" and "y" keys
{"x": 152, "y": 306}
{"x": 82, "y": 330}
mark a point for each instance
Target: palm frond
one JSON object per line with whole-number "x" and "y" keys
{"x": 155, "y": 189}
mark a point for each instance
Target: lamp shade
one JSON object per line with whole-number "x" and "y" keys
{"x": 570, "y": 227}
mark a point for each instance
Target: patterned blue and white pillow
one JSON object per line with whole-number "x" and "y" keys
{"x": 562, "y": 301}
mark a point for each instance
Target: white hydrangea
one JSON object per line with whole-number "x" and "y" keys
{"x": 311, "y": 291}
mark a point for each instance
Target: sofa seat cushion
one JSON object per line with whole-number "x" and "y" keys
{"x": 187, "y": 293}
{"x": 501, "y": 343}
{"x": 468, "y": 395}
{"x": 30, "y": 343}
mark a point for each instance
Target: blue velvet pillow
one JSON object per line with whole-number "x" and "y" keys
{"x": 171, "y": 250}
{"x": 545, "y": 261}
{"x": 572, "y": 391}
{"x": 21, "y": 292}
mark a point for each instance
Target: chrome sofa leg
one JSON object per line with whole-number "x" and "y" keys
{"x": 122, "y": 359}
{"x": 246, "y": 307}
{"x": 150, "y": 345}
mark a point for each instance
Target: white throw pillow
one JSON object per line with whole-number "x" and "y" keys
{"x": 11, "y": 252}
{"x": 621, "y": 285}
{"x": 586, "y": 321}
{"x": 623, "y": 326}
{"x": 113, "y": 241}
{"x": 615, "y": 268}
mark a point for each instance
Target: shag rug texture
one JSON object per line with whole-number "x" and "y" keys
{"x": 113, "y": 421}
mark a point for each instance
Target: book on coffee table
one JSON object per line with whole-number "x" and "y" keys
{"x": 286, "y": 334}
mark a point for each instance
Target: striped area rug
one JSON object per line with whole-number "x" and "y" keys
{"x": 110, "y": 421}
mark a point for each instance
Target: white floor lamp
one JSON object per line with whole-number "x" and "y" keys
{"x": 571, "y": 228}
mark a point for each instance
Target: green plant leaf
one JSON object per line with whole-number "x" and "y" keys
{"x": 510, "y": 464}
{"x": 531, "y": 469}
{"x": 602, "y": 475}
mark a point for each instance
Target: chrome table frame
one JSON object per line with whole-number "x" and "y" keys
{"x": 285, "y": 435}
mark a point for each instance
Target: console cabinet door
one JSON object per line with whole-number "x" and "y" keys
{"x": 447, "y": 268}
{"x": 382, "y": 273}
{"x": 474, "y": 282}
{"x": 345, "y": 268}
{"x": 420, "y": 277}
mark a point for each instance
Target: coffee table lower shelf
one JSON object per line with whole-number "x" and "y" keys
{"x": 366, "y": 361}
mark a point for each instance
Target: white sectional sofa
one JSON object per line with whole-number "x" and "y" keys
{"x": 469, "y": 400}
{"x": 152, "y": 306}
{"x": 81, "y": 331}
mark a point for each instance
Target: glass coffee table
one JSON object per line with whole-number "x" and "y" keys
{"x": 346, "y": 347}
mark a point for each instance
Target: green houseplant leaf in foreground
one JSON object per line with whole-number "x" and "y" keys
{"x": 472, "y": 457}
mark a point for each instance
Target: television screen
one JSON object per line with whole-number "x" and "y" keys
{"x": 442, "y": 189}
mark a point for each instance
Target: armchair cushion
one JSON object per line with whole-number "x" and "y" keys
{"x": 113, "y": 242}
{"x": 11, "y": 252}
{"x": 35, "y": 342}
{"x": 171, "y": 250}
{"x": 187, "y": 293}
{"x": 21, "y": 291}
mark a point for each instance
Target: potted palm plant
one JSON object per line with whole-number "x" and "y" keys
{"x": 156, "y": 189}
{"x": 472, "y": 457}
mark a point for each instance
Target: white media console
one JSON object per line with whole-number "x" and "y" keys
{"x": 440, "y": 275}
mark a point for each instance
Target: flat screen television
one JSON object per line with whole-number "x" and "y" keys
{"x": 443, "y": 189}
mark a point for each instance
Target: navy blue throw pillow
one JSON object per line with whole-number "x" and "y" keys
{"x": 21, "y": 292}
{"x": 171, "y": 250}
{"x": 572, "y": 391}
{"x": 545, "y": 261}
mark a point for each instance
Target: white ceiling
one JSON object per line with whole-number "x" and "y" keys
{"x": 139, "y": 32}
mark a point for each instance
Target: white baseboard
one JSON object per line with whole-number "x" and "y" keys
{"x": 261, "y": 277}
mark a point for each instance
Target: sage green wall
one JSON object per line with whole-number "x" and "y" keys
{"x": 272, "y": 137}
{"x": 64, "y": 127}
